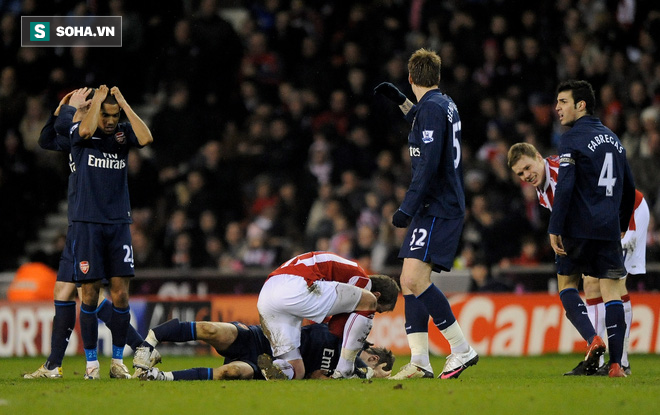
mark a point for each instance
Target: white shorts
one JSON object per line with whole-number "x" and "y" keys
{"x": 634, "y": 242}
{"x": 285, "y": 300}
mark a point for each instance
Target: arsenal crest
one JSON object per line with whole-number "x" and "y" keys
{"x": 120, "y": 137}
{"x": 84, "y": 266}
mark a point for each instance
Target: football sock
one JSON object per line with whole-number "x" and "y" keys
{"x": 118, "y": 325}
{"x": 456, "y": 339}
{"x": 133, "y": 338}
{"x": 576, "y": 312}
{"x": 356, "y": 331}
{"x": 417, "y": 330}
{"x": 64, "y": 322}
{"x": 198, "y": 373}
{"x": 89, "y": 330}
{"x": 596, "y": 312}
{"x": 438, "y": 307}
{"x": 627, "y": 311}
{"x": 419, "y": 349}
{"x": 150, "y": 341}
{"x": 175, "y": 331}
{"x": 104, "y": 311}
{"x": 417, "y": 317}
{"x": 616, "y": 329}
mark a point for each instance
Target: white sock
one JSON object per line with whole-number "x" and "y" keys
{"x": 456, "y": 339}
{"x": 356, "y": 330}
{"x": 285, "y": 367}
{"x": 419, "y": 349}
{"x": 628, "y": 314}
{"x": 596, "y": 314}
{"x": 151, "y": 339}
{"x": 168, "y": 375}
{"x": 118, "y": 361}
{"x": 93, "y": 363}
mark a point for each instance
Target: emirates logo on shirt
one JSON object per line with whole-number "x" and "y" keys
{"x": 120, "y": 137}
{"x": 84, "y": 266}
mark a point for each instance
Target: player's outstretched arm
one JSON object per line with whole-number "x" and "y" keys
{"x": 90, "y": 122}
{"x": 141, "y": 130}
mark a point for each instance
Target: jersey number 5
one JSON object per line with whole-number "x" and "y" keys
{"x": 606, "y": 178}
{"x": 457, "y": 144}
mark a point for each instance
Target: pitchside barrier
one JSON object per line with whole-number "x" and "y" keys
{"x": 495, "y": 324}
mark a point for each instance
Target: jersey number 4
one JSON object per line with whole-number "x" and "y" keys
{"x": 606, "y": 178}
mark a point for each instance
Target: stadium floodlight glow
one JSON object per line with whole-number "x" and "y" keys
{"x": 90, "y": 31}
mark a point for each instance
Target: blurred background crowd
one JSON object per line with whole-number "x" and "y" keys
{"x": 268, "y": 140}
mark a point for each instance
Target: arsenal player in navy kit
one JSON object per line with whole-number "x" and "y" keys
{"x": 433, "y": 210}
{"x": 101, "y": 215}
{"x": 594, "y": 199}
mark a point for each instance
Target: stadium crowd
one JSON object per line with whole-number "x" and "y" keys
{"x": 268, "y": 140}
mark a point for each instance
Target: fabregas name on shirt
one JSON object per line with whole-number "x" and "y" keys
{"x": 110, "y": 161}
{"x": 604, "y": 138}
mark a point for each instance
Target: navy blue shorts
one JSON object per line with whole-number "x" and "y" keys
{"x": 596, "y": 258}
{"x": 101, "y": 251}
{"x": 434, "y": 240}
{"x": 250, "y": 343}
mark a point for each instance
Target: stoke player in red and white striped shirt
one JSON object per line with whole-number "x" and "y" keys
{"x": 528, "y": 164}
{"x": 313, "y": 286}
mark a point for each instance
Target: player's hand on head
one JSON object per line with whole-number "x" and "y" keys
{"x": 79, "y": 98}
{"x": 391, "y": 92}
{"x": 101, "y": 93}
{"x": 64, "y": 101}
{"x": 118, "y": 96}
{"x": 380, "y": 372}
{"x": 66, "y": 98}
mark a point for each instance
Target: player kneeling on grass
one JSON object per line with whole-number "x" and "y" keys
{"x": 314, "y": 286}
{"x": 243, "y": 346}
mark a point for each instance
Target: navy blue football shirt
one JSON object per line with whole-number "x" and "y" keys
{"x": 595, "y": 192}
{"x": 101, "y": 177}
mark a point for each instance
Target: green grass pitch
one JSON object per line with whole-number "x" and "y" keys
{"x": 497, "y": 385}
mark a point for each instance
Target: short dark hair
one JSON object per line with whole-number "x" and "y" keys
{"x": 384, "y": 356}
{"x": 110, "y": 99}
{"x": 424, "y": 68}
{"x": 388, "y": 289}
{"x": 582, "y": 91}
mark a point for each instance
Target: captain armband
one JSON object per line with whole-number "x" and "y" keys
{"x": 565, "y": 159}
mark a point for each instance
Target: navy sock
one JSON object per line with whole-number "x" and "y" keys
{"x": 576, "y": 312}
{"x": 118, "y": 325}
{"x": 616, "y": 329}
{"x": 64, "y": 322}
{"x": 417, "y": 318}
{"x": 438, "y": 307}
{"x": 198, "y": 373}
{"x": 104, "y": 311}
{"x": 133, "y": 338}
{"x": 89, "y": 329}
{"x": 175, "y": 331}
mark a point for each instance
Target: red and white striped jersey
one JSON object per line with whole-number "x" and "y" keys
{"x": 547, "y": 193}
{"x": 325, "y": 266}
